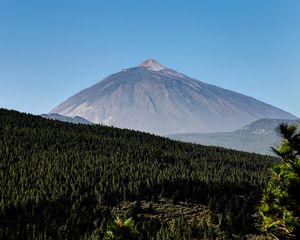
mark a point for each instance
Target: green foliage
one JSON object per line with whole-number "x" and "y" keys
{"x": 121, "y": 229}
{"x": 280, "y": 205}
{"x": 61, "y": 180}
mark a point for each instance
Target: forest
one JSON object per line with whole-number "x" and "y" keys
{"x": 69, "y": 181}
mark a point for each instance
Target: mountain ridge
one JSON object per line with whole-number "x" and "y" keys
{"x": 58, "y": 117}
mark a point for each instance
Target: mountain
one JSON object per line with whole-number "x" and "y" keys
{"x": 76, "y": 119}
{"x": 156, "y": 99}
{"x": 257, "y": 137}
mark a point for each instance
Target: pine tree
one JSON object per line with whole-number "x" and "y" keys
{"x": 280, "y": 205}
{"x": 121, "y": 229}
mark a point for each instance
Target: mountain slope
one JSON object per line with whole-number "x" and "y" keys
{"x": 63, "y": 181}
{"x": 257, "y": 137}
{"x": 156, "y": 99}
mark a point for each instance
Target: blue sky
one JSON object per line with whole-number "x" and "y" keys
{"x": 49, "y": 50}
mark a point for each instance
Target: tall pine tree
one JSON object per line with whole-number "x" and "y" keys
{"x": 280, "y": 205}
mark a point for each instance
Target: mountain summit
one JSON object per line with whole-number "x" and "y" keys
{"x": 153, "y": 65}
{"x": 157, "y": 99}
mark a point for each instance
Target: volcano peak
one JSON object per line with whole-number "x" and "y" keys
{"x": 153, "y": 65}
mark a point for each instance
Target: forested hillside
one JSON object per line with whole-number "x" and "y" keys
{"x": 65, "y": 181}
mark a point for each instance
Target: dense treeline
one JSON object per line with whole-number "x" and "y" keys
{"x": 60, "y": 180}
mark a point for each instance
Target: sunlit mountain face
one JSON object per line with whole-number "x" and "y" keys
{"x": 154, "y": 98}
